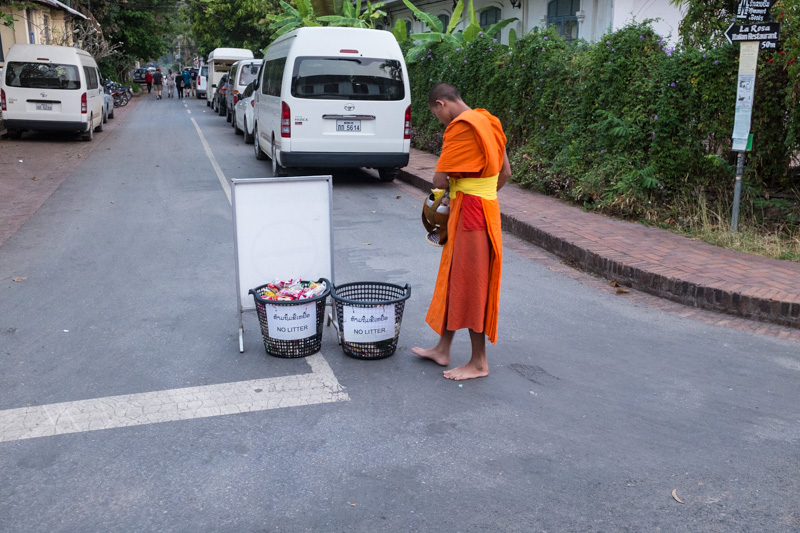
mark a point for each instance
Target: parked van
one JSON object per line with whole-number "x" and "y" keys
{"x": 242, "y": 73}
{"x": 54, "y": 88}
{"x": 219, "y": 62}
{"x": 331, "y": 97}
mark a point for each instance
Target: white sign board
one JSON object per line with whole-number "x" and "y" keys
{"x": 368, "y": 324}
{"x": 292, "y": 322}
{"x": 745, "y": 88}
{"x": 281, "y": 229}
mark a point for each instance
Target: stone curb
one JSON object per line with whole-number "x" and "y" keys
{"x": 683, "y": 291}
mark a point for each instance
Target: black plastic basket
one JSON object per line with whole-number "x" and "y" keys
{"x": 291, "y": 348}
{"x": 366, "y": 295}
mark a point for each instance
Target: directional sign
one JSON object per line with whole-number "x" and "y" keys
{"x": 755, "y": 10}
{"x": 768, "y": 33}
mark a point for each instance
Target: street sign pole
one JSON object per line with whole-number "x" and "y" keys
{"x": 746, "y": 84}
{"x": 759, "y": 34}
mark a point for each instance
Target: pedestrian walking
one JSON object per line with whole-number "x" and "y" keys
{"x": 472, "y": 167}
{"x": 179, "y": 84}
{"x": 187, "y": 82}
{"x": 158, "y": 80}
{"x": 170, "y": 84}
{"x": 148, "y": 79}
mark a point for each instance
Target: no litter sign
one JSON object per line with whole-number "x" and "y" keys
{"x": 368, "y": 324}
{"x": 291, "y": 323}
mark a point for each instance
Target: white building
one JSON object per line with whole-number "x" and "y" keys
{"x": 576, "y": 19}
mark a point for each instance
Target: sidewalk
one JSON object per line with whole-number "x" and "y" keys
{"x": 648, "y": 259}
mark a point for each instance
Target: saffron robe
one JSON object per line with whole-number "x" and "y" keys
{"x": 473, "y": 149}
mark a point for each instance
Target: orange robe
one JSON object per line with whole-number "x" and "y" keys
{"x": 473, "y": 148}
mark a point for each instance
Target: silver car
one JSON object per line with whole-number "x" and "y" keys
{"x": 108, "y": 106}
{"x": 243, "y": 114}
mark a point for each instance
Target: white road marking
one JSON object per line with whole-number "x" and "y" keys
{"x": 319, "y": 386}
{"x": 220, "y": 176}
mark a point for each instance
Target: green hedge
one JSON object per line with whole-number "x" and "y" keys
{"x": 628, "y": 124}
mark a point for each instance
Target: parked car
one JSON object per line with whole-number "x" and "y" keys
{"x": 108, "y": 104}
{"x": 51, "y": 88}
{"x": 218, "y": 100}
{"x": 139, "y": 74}
{"x": 342, "y": 105}
{"x": 242, "y": 73}
{"x": 202, "y": 82}
{"x": 243, "y": 114}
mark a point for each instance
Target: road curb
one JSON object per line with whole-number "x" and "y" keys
{"x": 675, "y": 288}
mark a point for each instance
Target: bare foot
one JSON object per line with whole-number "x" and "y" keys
{"x": 438, "y": 357}
{"x": 468, "y": 371}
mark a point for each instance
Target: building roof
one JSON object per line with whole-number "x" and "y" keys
{"x": 59, "y": 5}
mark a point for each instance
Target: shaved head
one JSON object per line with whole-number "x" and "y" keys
{"x": 443, "y": 91}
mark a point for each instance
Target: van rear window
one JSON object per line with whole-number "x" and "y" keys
{"x": 357, "y": 78}
{"x": 42, "y": 75}
{"x": 247, "y": 74}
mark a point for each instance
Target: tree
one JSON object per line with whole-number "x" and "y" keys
{"x": 231, "y": 23}
{"x": 439, "y": 34}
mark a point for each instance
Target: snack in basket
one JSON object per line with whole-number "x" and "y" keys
{"x": 291, "y": 290}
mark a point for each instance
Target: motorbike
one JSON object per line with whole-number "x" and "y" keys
{"x": 121, "y": 95}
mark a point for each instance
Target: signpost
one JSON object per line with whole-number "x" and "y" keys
{"x": 755, "y": 10}
{"x": 767, "y": 33}
{"x": 761, "y": 34}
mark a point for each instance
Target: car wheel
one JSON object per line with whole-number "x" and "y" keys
{"x": 248, "y": 137}
{"x": 111, "y": 115}
{"x": 208, "y": 104}
{"x": 388, "y": 174}
{"x": 229, "y": 116}
{"x": 222, "y": 109}
{"x": 88, "y": 135}
{"x": 277, "y": 169}
{"x": 105, "y": 116}
{"x": 259, "y": 154}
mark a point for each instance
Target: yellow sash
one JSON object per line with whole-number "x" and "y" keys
{"x": 483, "y": 187}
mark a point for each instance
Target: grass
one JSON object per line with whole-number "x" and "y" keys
{"x": 754, "y": 237}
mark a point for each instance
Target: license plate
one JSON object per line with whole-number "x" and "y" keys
{"x": 348, "y": 125}
{"x": 44, "y": 107}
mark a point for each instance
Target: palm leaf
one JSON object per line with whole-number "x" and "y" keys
{"x": 497, "y": 26}
{"x": 433, "y": 23}
{"x": 429, "y": 37}
{"x": 399, "y": 30}
{"x": 456, "y": 18}
{"x": 473, "y": 19}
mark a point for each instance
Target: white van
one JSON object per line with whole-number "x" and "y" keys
{"x": 242, "y": 73}
{"x": 54, "y": 88}
{"x": 331, "y": 97}
{"x": 219, "y": 62}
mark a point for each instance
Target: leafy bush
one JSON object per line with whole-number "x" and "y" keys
{"x": 628, "y": 125}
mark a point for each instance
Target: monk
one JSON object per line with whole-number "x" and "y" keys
{"x": 473, "y": 166}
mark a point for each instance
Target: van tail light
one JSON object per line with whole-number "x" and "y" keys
{"x": 407, "y": 124}
{"x": 253, "y": 102}
{"x": 286, "y": 122}
{"x": 3, "y": 100}
{"x": 84, "y": 104}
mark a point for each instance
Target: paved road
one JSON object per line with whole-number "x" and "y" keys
{"x": 597, "y": 408}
